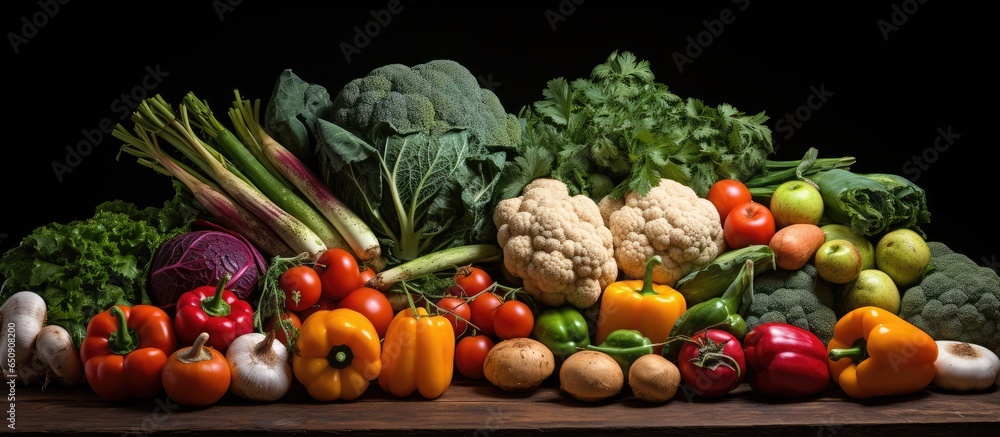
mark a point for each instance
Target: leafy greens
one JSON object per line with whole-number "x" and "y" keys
{"x": 619, "y": 130}
{"x": 85, "y": 266}
{"x": 416, "y": 151}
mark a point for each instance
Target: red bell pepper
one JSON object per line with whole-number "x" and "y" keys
{"x": 125, "y": 349}
{"x": 214, "y": 310}
{"x": 784, "y": 360}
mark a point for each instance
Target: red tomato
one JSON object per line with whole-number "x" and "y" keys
{"x": 365, "y": 275}
{"x": 726, "y": 194}
{"x": 373, "y": 304}
{"x": 513, "y": 319}
{"x": 471, "y": 281}
{"x": 470, "y": 354}
{"x": 324, "y": 303}
{"x": 339, "y": 272}
{"x": 483, "y": 307}
{"x": 280, "y": 332}
{"x": 302, "y": 287}
{"x": 457, "y": 310}
{"x": 747, "y": 224}
{"x": 712, "y": 363}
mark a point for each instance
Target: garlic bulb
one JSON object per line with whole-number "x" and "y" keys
{"x": 259, "y": 367}
{"x": 58, "y": 355}
{"x": 22, "y": 316}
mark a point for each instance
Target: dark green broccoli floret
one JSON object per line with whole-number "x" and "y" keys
{"x": 789, "y": 296}
{"x": 432, "y": 97}
{"x": 957, "y": 299}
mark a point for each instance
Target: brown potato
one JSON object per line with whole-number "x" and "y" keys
{"x": 654, "y": 379}
{"x": 518, "y": 364}
{"x": 591, "y": 376}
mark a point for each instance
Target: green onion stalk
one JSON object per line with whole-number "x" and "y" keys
{"x": 775, "y": 173}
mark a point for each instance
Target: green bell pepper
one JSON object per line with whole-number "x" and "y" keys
{"x": 723, "y": 312}
{"x": 562, "y": 330}
{"x": 625, "y": 346}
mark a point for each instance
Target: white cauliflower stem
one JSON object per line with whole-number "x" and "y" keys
{"x": 670, "y": 221}
{"x": 556, "y": 243}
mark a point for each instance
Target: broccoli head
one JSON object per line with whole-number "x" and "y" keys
{"x": 790, "y": 296}
{"x": 957, "y": 299}
{"x": 432, "y": 97}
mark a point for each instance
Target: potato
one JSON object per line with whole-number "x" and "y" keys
{"x": 654, "y": 379}
{"x": 519, "y": 364}
{"x": 591, "y": 376}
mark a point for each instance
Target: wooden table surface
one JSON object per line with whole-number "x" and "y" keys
{"x": 478, "y": 409}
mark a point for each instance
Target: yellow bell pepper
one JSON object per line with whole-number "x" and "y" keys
{"x": 339, "y": 354}
{"x": 418, "y": 354}
{"x": 874, "y": 352}
{"x": 649, "y": 308}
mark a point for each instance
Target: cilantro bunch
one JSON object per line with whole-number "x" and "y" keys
{"x": 619, "y": 130}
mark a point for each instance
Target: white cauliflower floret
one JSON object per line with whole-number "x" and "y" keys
{"x": 670, "y": 221}
{"x": 556, "y": 243}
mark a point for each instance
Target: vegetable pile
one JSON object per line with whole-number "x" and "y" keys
{"x": 612, "y": 241}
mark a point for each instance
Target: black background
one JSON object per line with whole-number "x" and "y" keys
{"x": 892, "y": 88}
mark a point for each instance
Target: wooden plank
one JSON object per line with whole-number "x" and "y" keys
{"x": 477, "y": 408}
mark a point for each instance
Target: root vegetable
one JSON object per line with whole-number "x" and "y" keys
{"x": 794, "y": 245}
{"x": 57, "y": 356}
{"x": 23, "y": 315}
{"x": 654, "y": 379}
{"x": 591, "y": 376}
{"x": 520, "y": 364}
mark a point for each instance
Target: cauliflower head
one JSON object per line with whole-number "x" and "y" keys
{"x": 670, "y": 221}
{"x": 958, "y": 300}
{"x": 556, "y": 243}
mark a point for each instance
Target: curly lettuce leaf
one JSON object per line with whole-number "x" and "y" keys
{"x": 85, "y": 266}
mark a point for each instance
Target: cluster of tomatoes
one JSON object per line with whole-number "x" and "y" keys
{"x": 481, "y": 316}
{"x": 335, "y": 280}
{"x": 744, "y": 221}
{"x": 480, "y": 310}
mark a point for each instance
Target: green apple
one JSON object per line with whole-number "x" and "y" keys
{"x": 844, "y": 232}
{"x": 838, "y": 261}
{"x": 872, "y": 287}
{"x": 903, "y": 255}
{"x": 796, "y": 202}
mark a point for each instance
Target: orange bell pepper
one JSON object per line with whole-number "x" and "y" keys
{"x": 418, "y": 354}
{"x": 876, "y": 353}
{"x": 338, "y": 354}
{"x": 649, "y": 308}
